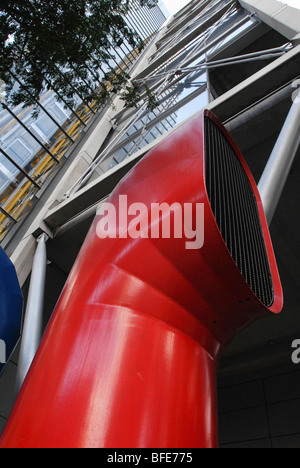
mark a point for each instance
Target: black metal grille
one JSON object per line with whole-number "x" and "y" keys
{"x": 235, "y": 209}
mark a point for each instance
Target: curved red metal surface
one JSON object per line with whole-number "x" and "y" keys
{"x": 129, "y": 358}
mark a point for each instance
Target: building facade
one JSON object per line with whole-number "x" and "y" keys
{"x": 32, "y": 149}
{"x": 239, "y": 60}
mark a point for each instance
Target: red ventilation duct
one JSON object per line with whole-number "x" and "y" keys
{"x": 130, "y": 356}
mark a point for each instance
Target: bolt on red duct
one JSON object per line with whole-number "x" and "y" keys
{"x": 129, "y": 358}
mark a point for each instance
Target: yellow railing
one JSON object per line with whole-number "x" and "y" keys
{"x": 42, "y": 166}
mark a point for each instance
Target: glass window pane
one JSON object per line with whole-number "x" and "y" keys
{"x": 5, "y": 225}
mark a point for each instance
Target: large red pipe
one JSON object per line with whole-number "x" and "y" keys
{"x": 130, "y": 356}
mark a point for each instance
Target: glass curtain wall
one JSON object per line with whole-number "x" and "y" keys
{"x": 198, "y": 40}
{"x": 32, "y": 150}
{"x": 177, "y": 75}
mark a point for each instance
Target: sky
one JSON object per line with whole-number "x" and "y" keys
{"x": 175, "y": 5}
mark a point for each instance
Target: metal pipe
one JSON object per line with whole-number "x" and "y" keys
{"x": 32, "y": 329}
{"x": 261, "y": 53}
{"x": 158, "y": 119}
{"x": 83, "y": 216}
{"x": 129, "y": 343}
{"x": 113, "y": 144}
{"x": 171, "y": 53}
{"x": 224, "y": 63}
{"x": 150, "y": 70}
{"x": 277, "y": 170}
{"x": 254, "y": 111}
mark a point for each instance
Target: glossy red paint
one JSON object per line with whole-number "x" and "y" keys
{"x": 130, "y": 356}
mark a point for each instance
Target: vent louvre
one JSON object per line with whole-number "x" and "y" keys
{"x": 235, "y": 209}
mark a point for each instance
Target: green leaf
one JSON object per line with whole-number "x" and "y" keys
{"x": 63, "y": 45}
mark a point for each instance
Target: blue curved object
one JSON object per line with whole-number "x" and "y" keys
{"x": 11, "y": 308}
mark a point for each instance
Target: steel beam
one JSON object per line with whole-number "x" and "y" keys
{"x": 177, "y": 26}
{"x": 278, "y": 168}
{"x": 186, "y": 40}
{"x": 254, "y": 111}
{"x": 32, "y": 330}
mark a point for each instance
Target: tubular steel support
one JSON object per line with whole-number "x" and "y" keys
{"x": 277, "y": 170}
{"x": 32, "y": 330}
